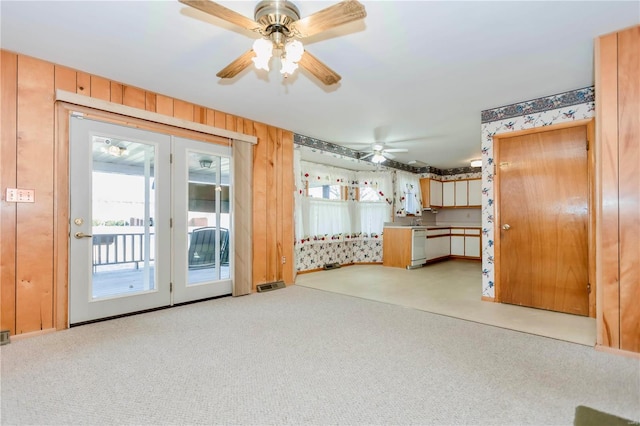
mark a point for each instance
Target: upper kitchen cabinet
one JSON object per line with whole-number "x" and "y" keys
{"x": 448, "y": 194}
{"x": 475, "y": 192}
{"x": 458, "y": 193}
{"x": 431, "y": 193}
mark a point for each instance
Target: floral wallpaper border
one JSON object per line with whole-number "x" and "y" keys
{"x": 568, "y": 111}
{"x": 317, "y": 145}
{"x": 561, "y": 100}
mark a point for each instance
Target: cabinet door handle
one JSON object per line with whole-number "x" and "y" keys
{"x": 506, "y": 227}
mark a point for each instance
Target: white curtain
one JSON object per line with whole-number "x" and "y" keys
{"x": 408, "y": 196}
{"x": 325, "y": 217}
{"x": 372, "y": 216}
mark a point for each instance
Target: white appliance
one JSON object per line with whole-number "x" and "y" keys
{"x": 418, "y": 252}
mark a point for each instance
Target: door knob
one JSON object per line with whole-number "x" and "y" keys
{"x": 506, "y": 227}
{"x": 80, "y": 235}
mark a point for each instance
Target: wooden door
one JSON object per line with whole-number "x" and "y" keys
{"x": 543, "y": 220}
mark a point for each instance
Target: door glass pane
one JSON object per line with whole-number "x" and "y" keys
{"x": 123, "y": 209}
{"x": 208, "y": 218}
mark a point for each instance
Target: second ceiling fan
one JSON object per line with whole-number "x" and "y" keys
{"x": 279, "y": 24}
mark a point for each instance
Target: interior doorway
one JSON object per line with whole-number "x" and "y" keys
{"x": 133, "y": 227}
{"x": 542, "y": 227}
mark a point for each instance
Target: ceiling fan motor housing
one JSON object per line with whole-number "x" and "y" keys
{"x": 276, "y": 18}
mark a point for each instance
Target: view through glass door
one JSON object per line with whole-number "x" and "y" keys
{"x": 202, "y": 228}
{"x": 120, "y": 211}
{"x": 125, "y": 193}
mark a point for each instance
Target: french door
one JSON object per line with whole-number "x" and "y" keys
{"x": 150, "y": 220}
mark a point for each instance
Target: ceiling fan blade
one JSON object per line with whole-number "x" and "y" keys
{"x": 386, "y": 154}
{"x": 219, "y": 11}
{"x": 238, "y": 65}
{"x": 367, "y": 156}
{"x": 333, "y": 16}
{"x": 318, "y": 69}
{"x": 396, "y": 150}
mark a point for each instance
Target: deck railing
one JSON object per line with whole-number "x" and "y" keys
{"x": 118, "y": 249}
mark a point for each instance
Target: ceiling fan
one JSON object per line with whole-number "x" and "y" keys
{"x": 279, "y": 24}
{"x": 379, "y": 153}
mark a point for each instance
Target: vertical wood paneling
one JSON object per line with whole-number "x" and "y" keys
{"x": 260, "y": 223}
{"x": 34, "y": 230}
{"x": 8, "y": 156}
{"x": 61, "y": 220}
{"x": 133, "y": 97}
{"x": 100, "y": 88}
{"x": 288, "y": 188}
{"x": 117, "y": 93}
{"x": 150, "y": 102}
{"x": 164, "y": 105}
{"x": 220, "y": 119}
{"x": 629, "y": 187}
{"x": 83, "y": 84}
{"x": 272, "y": 205}
{"x": 199, "y": 114}
{"x": 65, "y": 78}
{"x": 607, "y": 260}
{"x": 277, "y": 170}
{"x": 31, "y": 158}
{"x": 230, "y": 122}
{"x": 183, "y": 110}
{"x": 210, "y": 117}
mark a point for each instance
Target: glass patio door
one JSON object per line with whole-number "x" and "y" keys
{"x": 202, "y": 226}
{"x": 120, "y": 202}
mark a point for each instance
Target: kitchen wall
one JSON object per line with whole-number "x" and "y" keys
{"x": 561, "y": 108}
{"x": 470, "y": 216}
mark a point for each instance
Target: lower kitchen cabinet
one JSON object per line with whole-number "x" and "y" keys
{"x": 465, "y": 242}
{"x": 438, "y": 244}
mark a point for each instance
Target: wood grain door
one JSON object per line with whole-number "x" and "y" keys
{"x": 543, "y": 220}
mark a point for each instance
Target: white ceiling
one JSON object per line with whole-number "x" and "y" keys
{"x": 418, "y": 70}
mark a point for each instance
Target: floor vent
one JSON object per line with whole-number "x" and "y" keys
{"x": 331, "y": 265}
{"x": 270, "y": 286}
{"x": 4, "y": 337}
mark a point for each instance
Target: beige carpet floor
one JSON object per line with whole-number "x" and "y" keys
{"x": 300, "y": 356}
{"x": 452, "y": 288}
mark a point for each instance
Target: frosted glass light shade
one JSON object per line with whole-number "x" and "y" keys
{"x": 378, "y": 158}
{"x": 263, "y": 49}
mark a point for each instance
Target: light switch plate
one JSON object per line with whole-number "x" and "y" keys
{"x": 17, "y": 195}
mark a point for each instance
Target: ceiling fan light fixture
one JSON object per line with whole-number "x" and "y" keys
{"x": 378, "y": 158}
{"x": 263, "y": 49}
{"x": 294, "y": 50}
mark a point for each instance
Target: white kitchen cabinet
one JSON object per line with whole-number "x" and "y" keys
{"x": 435, "y": 193}
{"x": 471, "y": 246}
{"x": 448, "y": 194}
{"x": 475, "y": 192}
{"x": 457, "y": 245}
{"x": 461, "y": 190}
{"x": 465, "y": 242}
{"x": 437, "y": 243}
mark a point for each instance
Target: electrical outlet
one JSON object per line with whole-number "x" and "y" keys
{"x": 16, "y": 195}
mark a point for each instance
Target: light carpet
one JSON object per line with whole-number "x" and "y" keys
{"x": 303, "y": 356}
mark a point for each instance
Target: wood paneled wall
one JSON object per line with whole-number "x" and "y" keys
{"x": 618, "y": 224}
{"x": 28, "y": 278}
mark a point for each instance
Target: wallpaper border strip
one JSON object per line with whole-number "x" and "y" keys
{"x": 547, "y": 103}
